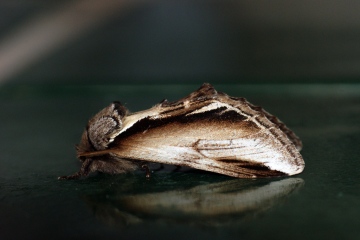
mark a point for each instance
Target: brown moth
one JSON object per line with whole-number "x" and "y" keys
{"x": 207, "y": 130}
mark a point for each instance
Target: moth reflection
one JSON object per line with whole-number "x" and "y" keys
{"x": 208, "y": 204}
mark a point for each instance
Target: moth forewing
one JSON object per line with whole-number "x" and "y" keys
{"x": 251, "y": 151}
{"x": 205, "y": 144}
{"x": 206, "y": 130}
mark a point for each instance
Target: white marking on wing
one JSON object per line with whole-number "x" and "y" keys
{"x": 211, "y": 106}
{"x": 249, "y": 149}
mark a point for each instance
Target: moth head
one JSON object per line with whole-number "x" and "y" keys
{"x": 102, "y": 128}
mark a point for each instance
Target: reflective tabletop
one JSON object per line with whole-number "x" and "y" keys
{"x": 40, "y": 125}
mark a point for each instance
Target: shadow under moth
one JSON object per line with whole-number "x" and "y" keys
{"x": 207, "y": 130}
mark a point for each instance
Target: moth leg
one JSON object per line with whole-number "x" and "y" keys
{"x": 146, "y": 167}
{"x": 84, "y": 171}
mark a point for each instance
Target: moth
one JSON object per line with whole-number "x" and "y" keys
{"x": 206, "y": 130}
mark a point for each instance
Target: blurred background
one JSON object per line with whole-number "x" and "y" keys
{"x": 62, "y": 61}
{"x": 139, "y": 41}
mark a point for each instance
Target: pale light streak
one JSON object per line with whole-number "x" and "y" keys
{"x": 43, "y": 34}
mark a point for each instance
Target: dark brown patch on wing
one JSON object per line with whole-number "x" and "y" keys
{"x": 215, "y": 115}
{"x": 258, "y": 169}
{"x": 173, "y": 109}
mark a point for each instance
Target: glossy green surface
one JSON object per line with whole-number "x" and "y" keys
{"x": 41, "y": 124}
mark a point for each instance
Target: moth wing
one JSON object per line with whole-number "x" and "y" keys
{"x": 206, "y": 95}
{"x": 256, "y": 155}
{"x": 207, "y": 130}
{"x": 207, "y": 145}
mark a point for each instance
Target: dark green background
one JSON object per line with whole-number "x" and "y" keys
{"x": 297, "y": 59}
